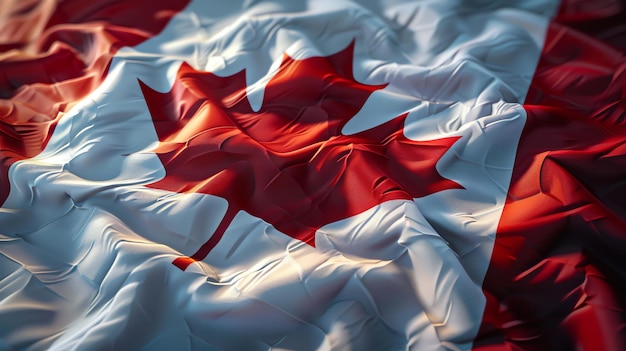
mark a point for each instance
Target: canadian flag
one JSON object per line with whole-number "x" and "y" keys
{"x": 313, "y": 175}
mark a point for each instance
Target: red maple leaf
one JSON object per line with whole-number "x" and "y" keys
{"x": 288, "y": 163}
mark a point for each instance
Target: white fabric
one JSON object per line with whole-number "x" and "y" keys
{"x": 86, "y": 248}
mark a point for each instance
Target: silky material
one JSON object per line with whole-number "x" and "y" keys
{"x": 556, "y": 277}
{"x": 102, "y": 202}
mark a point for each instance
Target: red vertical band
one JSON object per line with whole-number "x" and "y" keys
{"x": 557, "y": 277}
{"x": 55, "y": 54}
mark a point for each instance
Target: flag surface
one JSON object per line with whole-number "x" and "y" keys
{"x": 312, "y": 175}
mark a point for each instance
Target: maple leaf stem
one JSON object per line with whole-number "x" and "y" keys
{"x": 184, "y": 262}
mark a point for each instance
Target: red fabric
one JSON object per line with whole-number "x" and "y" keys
{"x": 557, "y": 278}
{"x": 297, "y": 174}
{"x": 604, "y": 20}
{"x": 54, "y": 55}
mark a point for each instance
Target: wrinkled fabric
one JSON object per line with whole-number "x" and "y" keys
{"x": 556, "y": 277}
{"x": 53, "y": 55}
{"x": 309, "y": 175}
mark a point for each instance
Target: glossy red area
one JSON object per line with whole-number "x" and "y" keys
{"x": 287, "y": 163}
{"x": 557, "y": 278}
{"x": 604, "y": 20}
{"x": 56, "y": 53}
